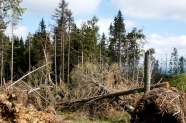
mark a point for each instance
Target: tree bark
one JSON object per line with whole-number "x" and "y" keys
{"x": 147, "y": 68}
{"x": 2, "y": 60}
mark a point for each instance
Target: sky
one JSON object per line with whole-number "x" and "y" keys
{"x": 163, "y": 21}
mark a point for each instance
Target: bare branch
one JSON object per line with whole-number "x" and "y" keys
{"x": 26, "y": 75}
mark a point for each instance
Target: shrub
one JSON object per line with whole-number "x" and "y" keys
{"x": 179, "y": 81}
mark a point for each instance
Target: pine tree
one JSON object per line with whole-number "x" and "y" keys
{"x": 103, "y": 49}
{"x": 4, "y": 57}
{"x": 135, "y": 49}
{"x": 181, "y": 65}
{"x": 70, "y": 21}
{"x": 117, "y": 38}
{"x": 19, "y": 61}
{"x": 174, "y": 61}
{"x": 60, "y": 31}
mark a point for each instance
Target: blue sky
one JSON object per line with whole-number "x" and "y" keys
{"x": 163, "y": 22}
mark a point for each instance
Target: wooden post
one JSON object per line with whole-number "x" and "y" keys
{"x": 147, "y": 68}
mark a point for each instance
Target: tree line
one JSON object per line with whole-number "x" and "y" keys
{"x": 68, "y": 46}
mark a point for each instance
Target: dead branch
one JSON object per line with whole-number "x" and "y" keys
{"x": 26, "y": 75}
{"x": 33, "y": 90}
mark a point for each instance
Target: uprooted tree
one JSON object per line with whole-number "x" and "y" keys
{"x": 161, "y": 105}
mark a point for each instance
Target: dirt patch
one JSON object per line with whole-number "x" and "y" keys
{"x": 15, "y": 107}
{"x": 161, "y": 105}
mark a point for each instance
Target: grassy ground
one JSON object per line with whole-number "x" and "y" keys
{"x": 77, "y": 118}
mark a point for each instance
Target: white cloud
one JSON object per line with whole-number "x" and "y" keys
{"x": 130, "y": 24}
{"x": 153, "y": 9}
{"x": 40, "y": 7}
{"x": 20, "y": 31}
{"x": 104, "y": 24}
{"x": 47, "y": 7}
{"x": 164, "y": 45}
{"x": 83, "y": 6}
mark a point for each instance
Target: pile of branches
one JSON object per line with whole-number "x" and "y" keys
{"x": 161, "y": 105}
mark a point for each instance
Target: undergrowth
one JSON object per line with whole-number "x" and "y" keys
{"x": 179, "y": 81}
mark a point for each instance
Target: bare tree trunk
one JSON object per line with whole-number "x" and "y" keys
{"x": 134, "y": 59}
{"x": 82, "y": 58}
{"x": 29, "y": 55}
{"x": 55, "y": 66}
{"x": 166, "y": 65}
{"x": 78, "y": 61}
{"x": 46, "y": 60}
{"x": 147, "y": 68}
{"x": 63, "y": 66}
{"x": 29, "y": 61}
{"x": 60, "y": 67}
{"x": 100, "y": 55}
{"x": 119, "y": 51}
{"x": 2, "y": 59}
{"x": 127, "y": 60}
{"x": 12, "y": 54}
{"x": 68, "y": 76}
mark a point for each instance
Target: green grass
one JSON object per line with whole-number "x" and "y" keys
{"x": 78, "y": 118}
{"x": 178, "y": 81}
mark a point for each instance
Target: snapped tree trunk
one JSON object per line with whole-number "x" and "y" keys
{"x": 147, "y": 68}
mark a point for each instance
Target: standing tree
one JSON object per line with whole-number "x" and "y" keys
{"x": 60, "y": 31}
{"x": 13, "y": 11}
{"x": 174, "y": 62}
{"x": 103, "y": 50}
{"x": 70, "y": 20}
{"x": 94, "y": 29}
{"x": 135, "y": 49}
{"x": 182, "y": 65}
{"x": 19, "y": 60}
{"x": 117, "y": 38}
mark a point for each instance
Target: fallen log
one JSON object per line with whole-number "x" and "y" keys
{"x": 119, "y": 101}
{"x": 111, "y": 95}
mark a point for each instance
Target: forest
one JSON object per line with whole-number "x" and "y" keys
{"x": 67, "y": 46}
{"x": 69, "y": 56}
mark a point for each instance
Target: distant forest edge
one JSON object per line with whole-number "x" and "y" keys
{"x": 68, "y": 46}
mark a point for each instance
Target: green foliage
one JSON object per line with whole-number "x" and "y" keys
{"x": 117, "y": 37}
{"x": 116, "y": 119}
{"x": 174, "y": 62}
{"x": 179, "y": 81}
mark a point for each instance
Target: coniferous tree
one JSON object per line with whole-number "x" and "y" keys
{"x": 117, "y": 38}
{"x": 70, "y": 21}
{"x": 94, "y": 29}
{"x": 4, "y": 57}
{"x": 75, "y": 45}
{"x": 135, "y": 49}
{"x": 60, "y": 31}
{"x": 19, "y": 61}
{"x": 103, "y": 50}
{"x": 182, "y": 65}
{"x": 173, "y": 64}
{"x": 27, "y": 53}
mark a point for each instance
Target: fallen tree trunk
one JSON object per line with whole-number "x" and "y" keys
{"x": 111, "y": 95}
